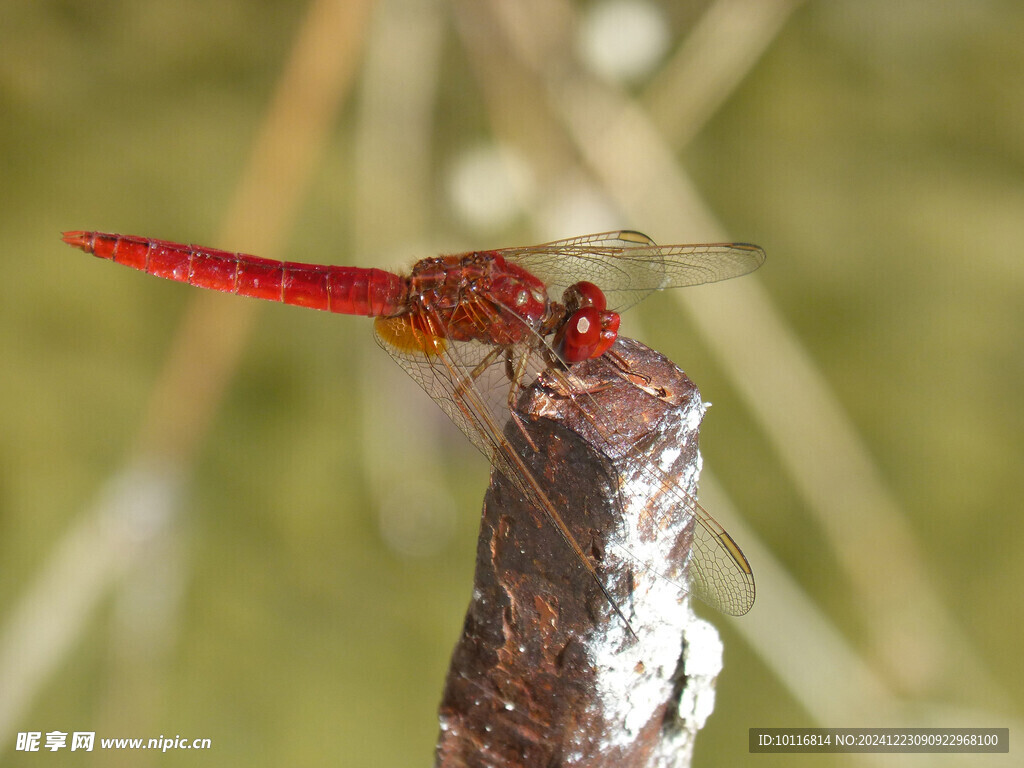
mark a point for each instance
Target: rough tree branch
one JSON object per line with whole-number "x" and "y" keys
{"x": 546, "y": 673}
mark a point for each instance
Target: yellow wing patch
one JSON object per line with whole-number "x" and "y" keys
{"x": 404, "y": 335}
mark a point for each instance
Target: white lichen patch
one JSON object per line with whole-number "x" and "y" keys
{"x": 668, "y": 459}
{"x": 702, "y": 663}
{"x": 636, "y": 676}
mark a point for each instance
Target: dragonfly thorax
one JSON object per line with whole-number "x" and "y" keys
{"x": 478, "y": 297}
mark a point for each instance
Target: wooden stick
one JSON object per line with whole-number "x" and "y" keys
{"x": 546, "y": 673}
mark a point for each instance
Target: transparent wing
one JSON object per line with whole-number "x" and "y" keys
{"x": 469, "y": 381}
{"x": 717, "y": 572}
{"x": 463, "y": 378}
{"x": 628, "y": 265}
{"x": 454, "y": 375}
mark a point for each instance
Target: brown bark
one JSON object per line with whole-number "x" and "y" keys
{"x": 546, "y": 673}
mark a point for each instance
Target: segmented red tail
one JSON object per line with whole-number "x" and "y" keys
{"x": 347, "y": 290}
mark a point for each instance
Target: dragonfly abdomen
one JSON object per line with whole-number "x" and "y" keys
{"x": 346, "y": 290}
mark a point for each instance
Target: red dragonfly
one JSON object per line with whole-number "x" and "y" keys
{"x": 456, "y": 322}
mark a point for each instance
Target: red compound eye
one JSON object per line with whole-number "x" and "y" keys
{"x": 584, "y": 294}
{"x": 588, "y": 333}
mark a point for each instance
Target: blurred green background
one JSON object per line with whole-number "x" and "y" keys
{"x": 295, "y": 593}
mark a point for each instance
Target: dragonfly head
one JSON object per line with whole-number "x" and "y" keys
{"x": 589, "y": 329}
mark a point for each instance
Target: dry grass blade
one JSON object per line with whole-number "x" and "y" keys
{"x": 633, "y": 166}
{"x": 141, "y": 500}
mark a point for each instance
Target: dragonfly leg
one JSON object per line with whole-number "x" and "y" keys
{"x": 515, "y": 375}
{"x": 466, "y": 382}
{"x": 639, "y": 380}
{"x": 484, "y": 364}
